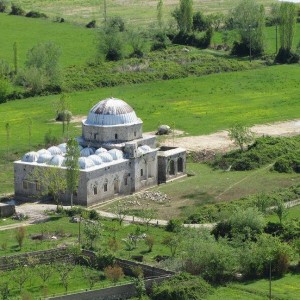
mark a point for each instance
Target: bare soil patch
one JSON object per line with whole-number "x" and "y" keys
{"x": 220, "y": 142}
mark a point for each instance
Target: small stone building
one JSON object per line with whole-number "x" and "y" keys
{"x": 116, "y": 158}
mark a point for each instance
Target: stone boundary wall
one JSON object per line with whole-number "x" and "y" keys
{"x": 116, "y": 292}
{"x": 39, "y": 257}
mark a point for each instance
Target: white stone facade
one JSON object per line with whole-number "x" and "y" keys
{"x": 116, "y": 159}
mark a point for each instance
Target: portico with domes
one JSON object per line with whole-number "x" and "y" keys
{"x": 116, "y": 158}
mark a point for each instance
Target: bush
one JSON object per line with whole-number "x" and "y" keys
{"x": 2, "y": 6}
{"x": 104, "y": 260}
{"x": 174, "y": 225}
{"x": 16, "y": 10}
{"x": 4, "y": 89}
{"x": 65, "y": 115}
{"x": 91, "y": 24}
{"x": 182, "y": 287}
{"x": 116, "y": 23}
{"x": 50, "y": 139}
{"x": 282, "y": 165}
{"x": 94, "y": 215}
{"x": 36, "y": 14}
{"x": 114, "y": 273}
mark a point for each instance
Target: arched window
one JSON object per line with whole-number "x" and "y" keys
{"x": 116, "y": 186}
{"x": 172, "y": 168}
{"x": 180, "y": 164}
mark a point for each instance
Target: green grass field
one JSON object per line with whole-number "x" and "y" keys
{"x": 207, "y": 187}
{"x": 76, "y": 42}
{"x": 133, "y": 11}
{"x": 69, "y": 235}
{"x": 195, "y": 105}
{"x": 286, "y": 288}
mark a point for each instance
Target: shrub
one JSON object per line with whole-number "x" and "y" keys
{"x": 94, "y": 215}
{"x": 36, "y": 14}
{"x": 182, "y": 287}
{"x": 282, "y": 165}
{"x": 91, "y": 24}
{"x": 50, "y": 139}
{"x": 3, "y": 5}
{"x": 149, "y": 241}
{"x": 104, "y": 260}
{"x": 16, "y": 10}
{"x": 285, "y": 56}
{"x": 65, "y": 115}
{"x": 114, "y": 273}
{"x": 116, "y": 23}
{"x": 4, "y": 89}
{"x": 20, "y": 235}
{"x": 174, "y": 225}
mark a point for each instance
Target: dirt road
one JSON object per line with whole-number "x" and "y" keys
{"x": 220, "y": 141}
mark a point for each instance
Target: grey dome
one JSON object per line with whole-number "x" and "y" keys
{"x": 106, "y": 157}
{"x": 116, "y": 154}
{"x": 111, "y": 111}
{"x": 44, "y": 157}
{"x": 96, "y": 159}
{"x": 85, "y": 152}
{"x": 54, "y": 150}
{"x": 57, "y": 160}
{"x": 30, "y": 157}
{"x": 100, "y": 150}
{"x": 85, "y": 163}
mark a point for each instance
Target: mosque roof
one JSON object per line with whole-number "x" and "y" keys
{"x": 112, "y": 111}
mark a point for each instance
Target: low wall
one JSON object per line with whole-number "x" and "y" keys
{"x": 125, "y": 291}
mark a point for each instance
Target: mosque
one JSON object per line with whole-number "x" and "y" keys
{"x": 116, "y": 158}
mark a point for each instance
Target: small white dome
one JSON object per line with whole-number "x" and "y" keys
{"x": 144, "y": 149}
{"x": 30, "y": 157}
{"x": 44, "y": 157}
{"x": 54, "y": 150}
{"x": 116, "y": 154}
{"x": 57, "y": 160}
{"x": 85, "y": 163}
{"x": 63, "y": 147}
{"x": 96, "y": 159}
{"x": 85, "y": 152}
{"x": 100, "y": 150}
{"x": 106, "y": 157}
{"x": 42, "y": 151}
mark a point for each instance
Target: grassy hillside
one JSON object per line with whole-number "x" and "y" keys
{"x": 76, "y": 42}
{"x": 194, "y": 105}
{"x": 133, "y": 11}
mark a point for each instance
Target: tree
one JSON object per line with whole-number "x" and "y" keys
{"x": 137, "y": 42}
{"x": 172, "y": 242}
{"x": 20, "y": 275}
{"x": 139, "y": 284}
{"x": 249, "y": 20}
{"x": 120, "y": 209}
{"x": 184, "y": 16}
{"x": 149, "y": 241}
{"x": 90, "y": 275}
{"x": 147, "y": 214}
{"x": 200, "y": 22}
{"x": 3, "y": 5}
{"x": 42, "y": 67}
{"x": 287, "y": 21}
{"x": 72, "y": 165}
{"x": 280, "y": 210}
{"x": 241, "y": 135}
{"x": 64, "y": 271}
{"x": 4, "y": 89}
{"x": 44, "y": 271}
{"x": 111, "y": 44}
{"x": 52, "y": 181}
{"x": 92, "y": 231}
{"x": 20, "y": 234}
{"x": 159, "y": 9}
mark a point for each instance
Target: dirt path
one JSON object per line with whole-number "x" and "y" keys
{"x": 220, "y": 142}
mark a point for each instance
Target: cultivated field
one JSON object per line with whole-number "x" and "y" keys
{"x": 133, "y": 11}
